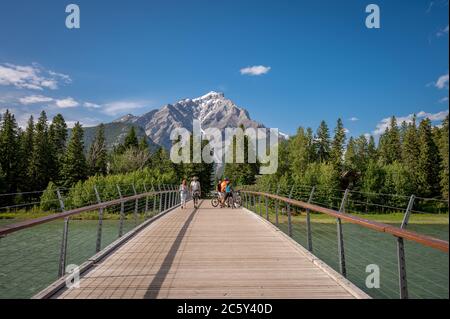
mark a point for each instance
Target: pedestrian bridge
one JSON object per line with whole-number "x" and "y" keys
{"x": 212, "y": 252}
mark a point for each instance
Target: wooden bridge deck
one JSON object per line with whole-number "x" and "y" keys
{"x": 211, "y": 253}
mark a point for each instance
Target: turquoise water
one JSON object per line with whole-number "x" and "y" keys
{"x": 427, "y": 268}
{"x": 29, "y": 258}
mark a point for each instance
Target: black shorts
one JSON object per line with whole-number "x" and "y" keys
{"x": 227, "y": 195}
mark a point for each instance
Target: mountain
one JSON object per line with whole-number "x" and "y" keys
{"x": 212, "y": 110}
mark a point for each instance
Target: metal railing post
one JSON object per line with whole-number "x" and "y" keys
{"x": 173, "y": 196}
{"x": 267, "y": 204}
{"x": 277, "y": 205}
{"x": 122, "y": 212}
{"x": 146, "y": 202}
{"x": 259, "y": 204}
{"x": 160, "y": 198}
{"x": 63, "y": 252}
{"x": 308, "y": 222}
{"x": 167, "y": 197}
{"x": 403, "y": 283}
{"x": 154, "y": 199}
{"x": 136, "y": 205}
{"x": 340, "y": 237}
{"x": 98, "y": 245}
{"x": 289, "y": 213}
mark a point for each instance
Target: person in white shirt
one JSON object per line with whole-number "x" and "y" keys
{"x": 196, "y": 190}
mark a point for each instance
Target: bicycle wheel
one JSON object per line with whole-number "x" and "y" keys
{"x": 215, "y": 202}
{"x": 230, "y": 202}
{"x": 238, "y": 202}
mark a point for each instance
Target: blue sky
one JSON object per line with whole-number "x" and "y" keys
{"x": 133, "y": 56}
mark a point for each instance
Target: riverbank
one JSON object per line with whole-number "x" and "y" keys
{"x": 392, "y": 218}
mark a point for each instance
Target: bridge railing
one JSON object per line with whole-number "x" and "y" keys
{"x": 384, "y": 259}
{"x": 35, "y": 252}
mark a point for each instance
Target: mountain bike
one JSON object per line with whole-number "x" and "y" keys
{"x": 215, "y": 201}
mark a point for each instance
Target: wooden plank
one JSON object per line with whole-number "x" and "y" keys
{"x": 209, "y": 253}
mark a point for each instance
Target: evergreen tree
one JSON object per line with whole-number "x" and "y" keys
{"x": 323, "y": 142}
{"x": 131, "y": 139}
{"x": 299, "y": 153}
{"x": 410, "y": 150}
{"x": 390, "y": 145}
{"x": 350, "y": 161}
{"x": 26, "y": 147}
{"x": 97, "y": 156}
{"x": 143, "y": 145}
{"x": 337, "y": 146}
{"x": 428, "y": 162}
{"x": 57, "y": 133}
{"x": 444, "y": 151}
{"x": 362, "y": 153}
{"x": 241, "y": 173}
{"x": 372, "y": 152}
{"x": 9, "y": 155}
{"x": 40, "y": 166}
{"x": 74, "y": 166}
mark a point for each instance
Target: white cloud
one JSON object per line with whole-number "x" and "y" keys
{"x": 442, "y": 82}
{"x": 66, "y": 103}
{"x": 255, "y": 70}
{"x": 384, "y": 123}
{"x": 91, "y": 105}
{"x": 442, "y": 32}
{"x": 32, "y": 99}
{"x": 444, "y": 100}
{"x": 346, "y": 130}
{"x": 85, "y": 122}
{"x": 31, "y": 77}
{"x": 353, "y": 119}
{"x": 118, "y": 107}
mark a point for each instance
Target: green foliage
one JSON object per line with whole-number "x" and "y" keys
{"x": 74, "y": 166}
{"x": 42, "y": 158}
{"x": 49, "y": 199}
{"x": 82, "y": 193}
{"x": 428, "y": 164}
{"x": 444, "y": 152}
{"x": 130, "y": 160}
{"x": 98, "y": 155}
{"x": 241, "y": 173}
{"x": 323, "y": 142}
{"x": 389, "y": 144}
{"x": 9, "y": 157}
{"x": 131, "y": 139}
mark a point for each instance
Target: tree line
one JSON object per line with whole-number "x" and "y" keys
{"x": 410, "y": 158}
{"x": 43, "y": 154}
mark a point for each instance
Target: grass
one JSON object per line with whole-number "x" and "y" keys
{"x": 391, "y": 218}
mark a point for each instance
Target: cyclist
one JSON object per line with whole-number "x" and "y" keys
{"x": 223, "y": 187}
{"x": 229, "y": 193}
{"x": 219, "y": 190}
{"x": 196, "y": 190}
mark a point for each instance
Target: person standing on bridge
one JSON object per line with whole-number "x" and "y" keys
{"x": 183, "y": 193}
{"x": 196, "y": 190}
